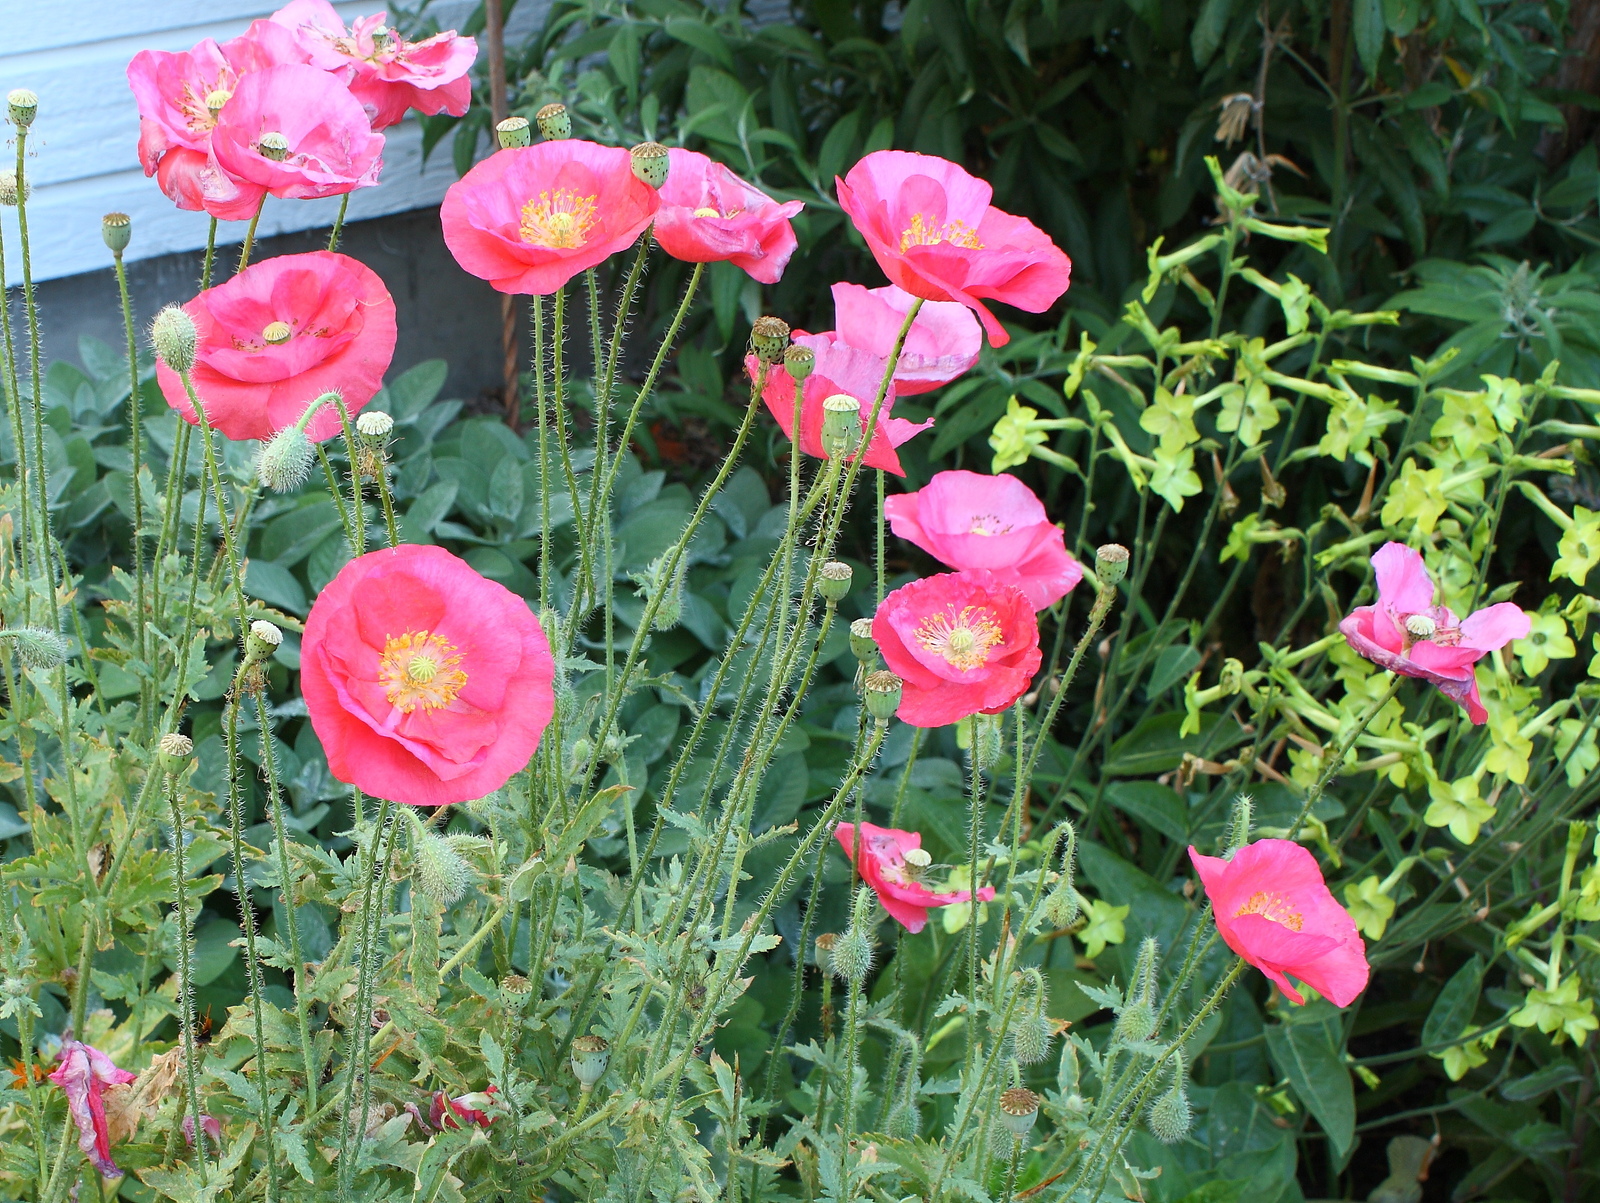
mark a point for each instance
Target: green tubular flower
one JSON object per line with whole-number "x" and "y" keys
{"x": 1369, "y": 906}
{"x": 1577, "y": 737}
{"x": 1456, "y": 805}
{"x": 1249, "y": 409}
{"x": 1174, "y": 477}
{"x": 1579, "y": 547}
{"x": 1547, "y": 640}
{"x": 1417, "y": 497}
{"x": 1104, "y": 926}
{"x": 1560, "y": 1013}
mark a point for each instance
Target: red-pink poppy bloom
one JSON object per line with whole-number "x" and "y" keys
{"x": 464, "y": 1109}
{"x": 884, "y": 868}
{"x": 1273, "y": 909}
{"x": 1406, "y": 633}
{"x": 180, "y": 96}
{"x": 932, "y": 229}
{"x": 83, "y": 1073}
{"x": 528, "y": 219}
{"x": 963, "y": 643}
{"x": 294, "y": 131}
{"x": 967, "y": 520}
{"x": 426, "y": 682}
{"x": 710, "y": 215}
{"x": 210, "y": 1125}
{"x": 280, "y": 334}
{"x": 839, "y": 368}
{"x": 386, "y": 73}
{"x": 942, "y": 344}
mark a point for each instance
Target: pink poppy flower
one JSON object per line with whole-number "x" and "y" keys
{"x": 464, "y": 1109}
{"x": 970, "y": 521}
{"x": 1273, "y": 909}
{"x": 942, "y": 344}
{"x": 709, "y": 215}
{"x": 964, "y": 643}
{"x": 210, "y": 1125}
{"x": 325, "y": 144}
{"x": 845, "y": 369}
{"x": 280, "y": 334}
{"x": 179, "y": 96}
{"x": 529, "y": 219}
{"x": 932, "y": 229}
{"x": 386, "y": 73}
{"x": 83, "y": 1073}
{"x": 426, "y": 683}
{"x": 884, "y": 868}
{"x": 1406, "y": 633}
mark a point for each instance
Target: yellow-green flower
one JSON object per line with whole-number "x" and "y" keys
{"x": 1369, "y": 906}
{"x": 1468, "y": 1055}
{"x": 1353, "y": 424}
{"x": 1104, "y": 927}
{"x": 1560, "y": 1011}
{"x": 1468, "y": 421}
{"x": 1174, "y": 477}
{"x": 1456, "y": 805}
{"x": 1509, "y": 750}
{"x": 1418, "y": 497}
{"x": 1171, "y": 419}
{"x": 1579, "y": 546}
{"x": 1247, "y": 408}
{"x": 1577, "y": 737}
{"x": 1504, "y": 398}
{"x": 1547, "y": 640}
{"x": 1013, "y": 439}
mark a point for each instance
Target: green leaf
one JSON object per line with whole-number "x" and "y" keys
{"x": 1172, "y": 665}
{"x": 701, "y": 37}
{"x": 1535, "y": 1085}
{"x": 1307, "y": 1053}
{"x": 1367, "y": 20}
{"x": 1209, "y": 28}
{"x": 414, "y": 390}
{"x": 1155, "y": 746}
{"x": 275, "y": 585}
{"x": 1452, "y": 1011}
{"x": 1153, "y": 804}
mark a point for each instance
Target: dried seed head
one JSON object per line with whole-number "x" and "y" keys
{"x": 769, "y": 336}
{"x": 1019, "y": 1107}
{"x": 514, "y": 132}
{"x": 554, "y": 121}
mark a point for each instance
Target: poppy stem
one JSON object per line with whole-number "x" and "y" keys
{"x": 180, "y": 880}
{"x": 136, "y": 451}
{"x": 338, "y": 222}
{"x": 1336, "y": 761}
{"x": 250, "y": 236}
{"x": 211, "y": 254}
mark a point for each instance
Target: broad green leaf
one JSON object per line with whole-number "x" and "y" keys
{"x": 1452, "y": 1010}
{"x": 1307, "y": 1053}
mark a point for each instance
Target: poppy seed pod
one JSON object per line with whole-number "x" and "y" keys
{"x": 173, "y": 752}
{"x": 769, "y": 337}
{"x": 590, "y": 1055}
{"x": 374, "y": 424}
{"x": 833, "y": 581}
{"x": 273, "y": 145}
{"x": 1111, "y": 563}
{"x": 883, "y": 690}
{"x": 513, "y": 132}
{"x": 24, "y": 106}
{"x": 798, "y": 361}
{"x": 650, "y": 163}
{"x": 841, "y": 426}
{"x": 174, "y": 337}
{"x": 1019, "y": 1107}
{"x": 862, "y": 645}
{"x": 262, "y": 640}
{"x": 554, "y": 121}
{"x": 116, "y": 229}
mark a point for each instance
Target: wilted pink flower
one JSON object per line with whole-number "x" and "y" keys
{"x": 884, "y": 868}
{"x": 280, "y": 334}
{"x": 942, "y": 343}
{"x": 210, "y": 1125}
{"x": 528, "y": 219}
{"x": 967, "y": 520}
{"x": 294, "y": 131}
{"x": 963, "y": 643}
{"x": 1406, "y": 633}
{"x": 464, "y": 1109}
{"x": 709, "y": 215}
{"x": 1273, "y": 909}
{"x": 83, "y": 1073}
{"x": 844, "y": 369}
{"x": 932, "y": 229}
{"x": 386, "y": 73}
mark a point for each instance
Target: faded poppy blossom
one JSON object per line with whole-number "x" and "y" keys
{"x": 710, "y": 215}
{"x": 967, "y": 520}
{"x": 293, "y": 131}
{"x": 838, "y": 368}
{"x": 942, "y": 344}
{"x": 280, "y": 334}
{"x": 932, "y": 229}
{"x": 386, "y": 73}
{"x": 464, "y": 1109}
{"x": 1273, "y": 909}
{"x": 1406, "y": 633}
{"x": 528, "y": 219}
{"x": 895, "y": 877}
{"x": 426, "y": 682}
{"x": 964, "y": 643}
{"x": 83, "y": 1073}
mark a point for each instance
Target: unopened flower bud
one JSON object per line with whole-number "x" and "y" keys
{"x": 273, "y": 145}
{"x": 905, "y": 1121}
{"x": 582, "y": 753}
{"x": 986, "y": 741}
{"x": 262, "y": 640}
{"x": 833, "y": 581}
{"x": 24, "y": 107}
{"x": 862, "y": 645}
{"x": 37, "y": 647}
{"x": 514, "y": 132}
{"x": 554, "y": 121}
{"x": 590, "y": 1055}
{"x": 437, "y": 869}
{"x": 841, "y": 426}
{"x": 1111, "y": 563}
{"x": 1019, "y": 1107}
{"x": 769, "y": 336}
{"x": 374, "y": 424}
{"x": 173, "y": 335}
{"x": 173, "y": 752}
{"x": 116, "y": 229}
{"x": 851, "y": 958}
{"x": 650, "y": 163}
{"x": 883, "y": 695}
{"x": 284, "y": 462}
{"x": 1420, "y": 626}
{"x": 1030, "y": 1039}
{"x": 1137, "y": 1022}
{"x": 1169, "y": 1116}
{"x": 8, "y": 189}
{"x": 798, "y": 361}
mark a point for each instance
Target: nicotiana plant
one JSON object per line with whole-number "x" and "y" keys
{"x": 575, "y": 857}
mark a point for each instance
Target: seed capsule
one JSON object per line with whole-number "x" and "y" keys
{"x": 833, "y": 581}
{"x": 1019, "y": 1107}
{"x": 24, "y": 107}
{"x": 514, "y": 132}
{"x": 1111, "y": 563}
{"x": 798, "y": 361}
{"x": 650, "y": 163}
{"x": 116, "y": 229}
{"x": 883, "y": 691}
{"x": 769, "y": 336}
{"x": 554, "y": 121}
{"x": 841, "y": 426}
{"x": 590, "y": 1055}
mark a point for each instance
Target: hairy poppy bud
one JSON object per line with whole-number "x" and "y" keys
{"x": 513, "y": 132}
{"x": 8, "y": 189}
{"x": 554, "y": 121}
{"x": 116, "y": 229}
{"x": 173, "y": 335}
{"x": 283, "y": 463}
{"x": 37, "y": 647}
